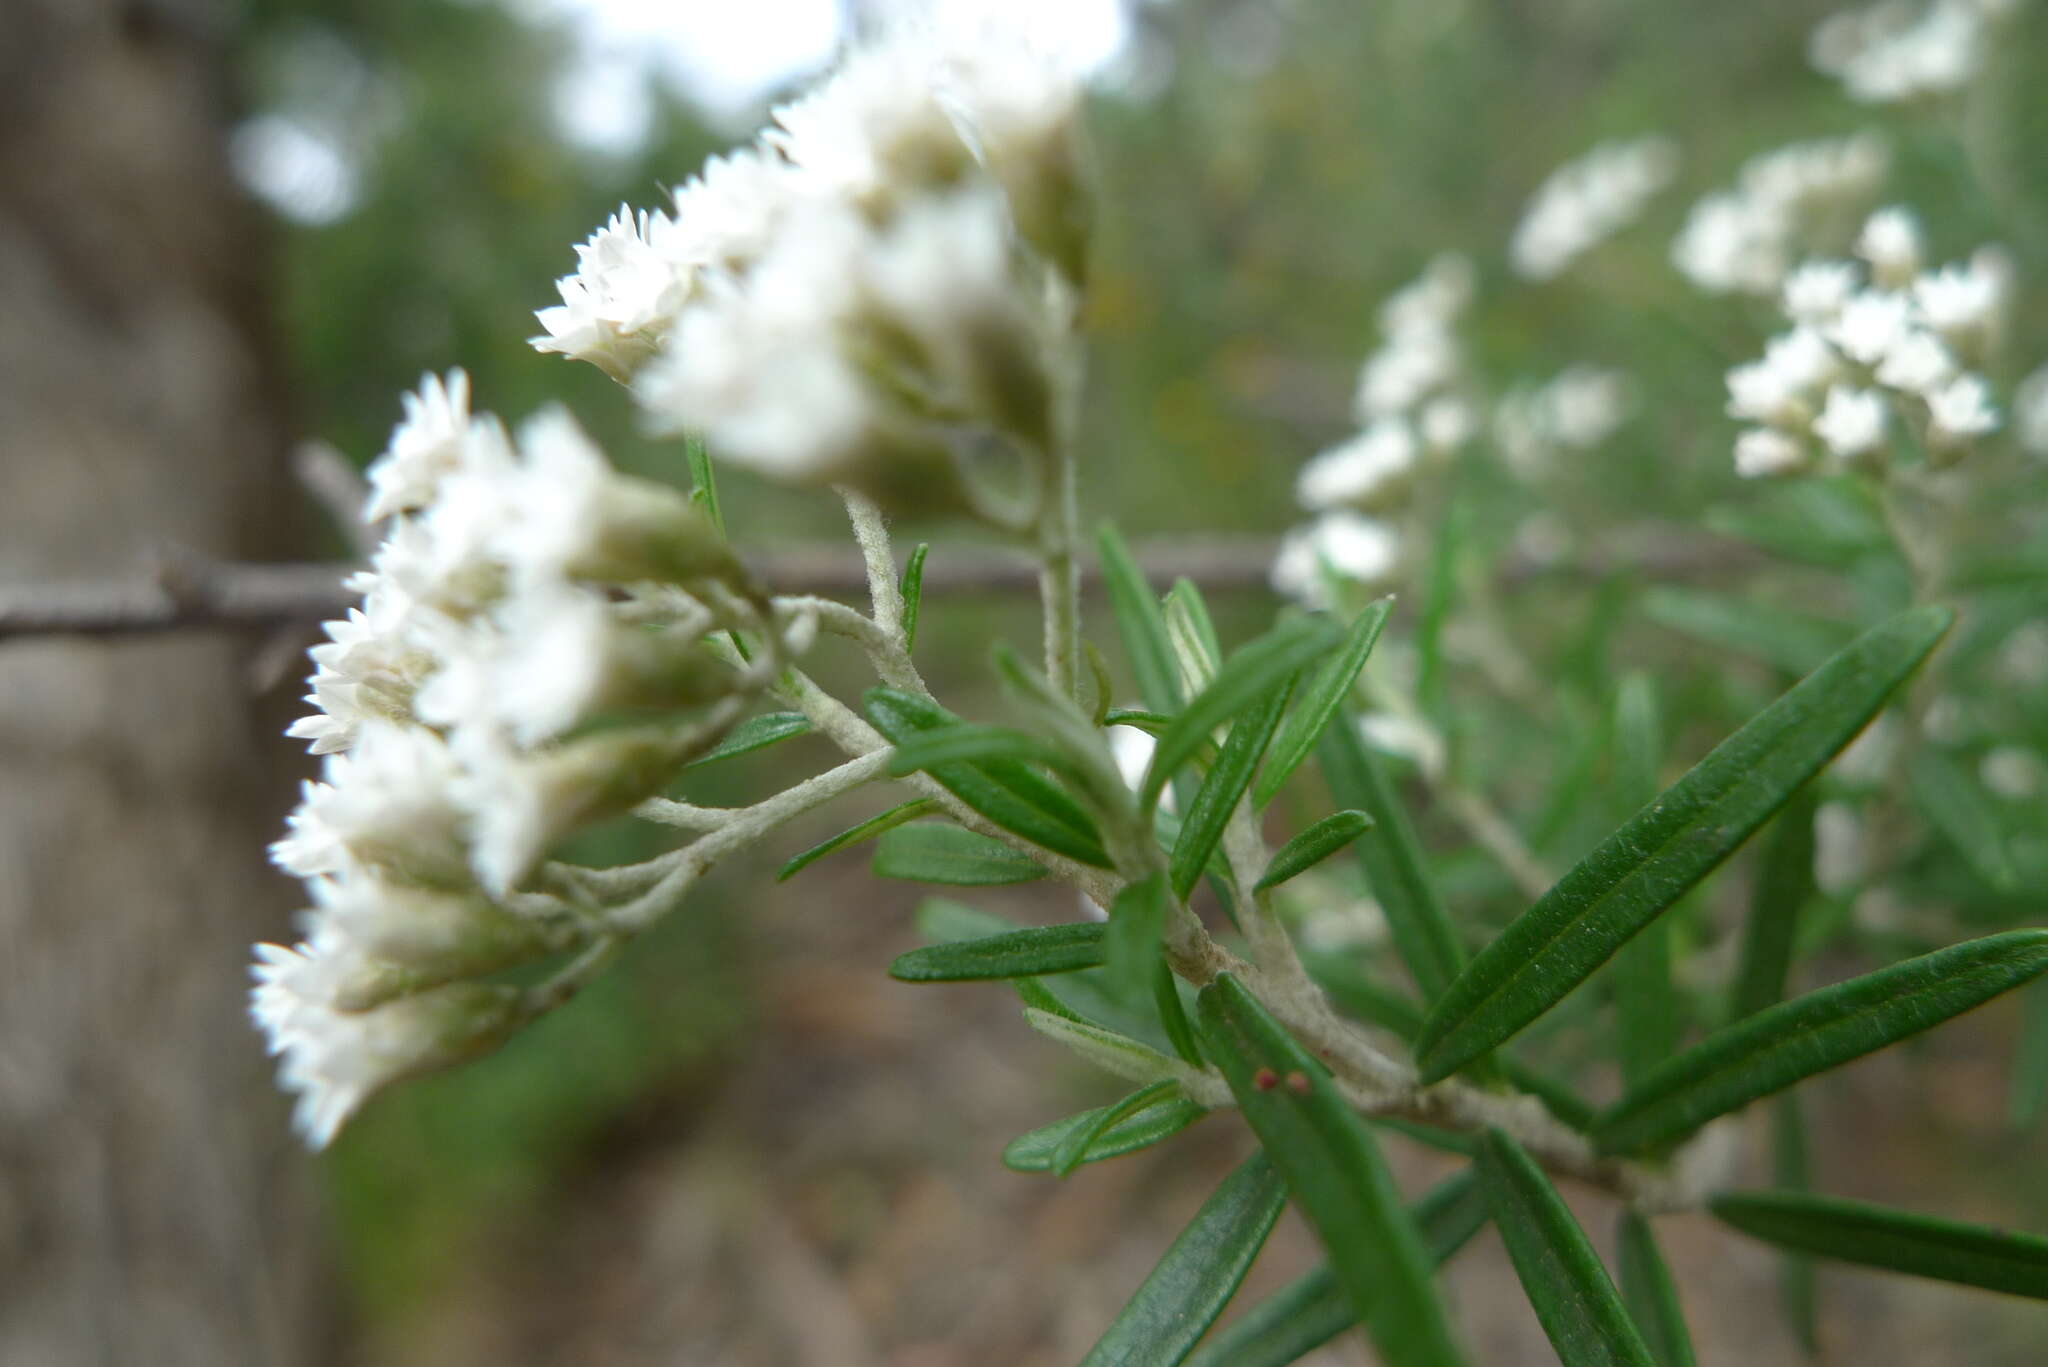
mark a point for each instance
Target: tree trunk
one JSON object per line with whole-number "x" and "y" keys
{"x": 151, "y": 1210}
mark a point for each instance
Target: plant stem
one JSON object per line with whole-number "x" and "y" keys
{"x": 1059, "y": 577}
{"x": 885, "y": 595}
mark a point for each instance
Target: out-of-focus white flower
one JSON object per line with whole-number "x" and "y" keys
{"x": 1919, "y": 363}
{"x": 2030, "y": 412}
{"x": 1872, "y": 325}
{"x": 1344, "y": 545}
{"x": 1761, "y": 452}
{"x": 425, "y": 447}
{"x": 336, "y": 1060}
{"x": 1891, "y": 241}
{"x": 1965, "y": 303}
{"x": 1868, "y": 759}
{"x": 2012, "y": 772}
{"x": 1960, "y": 410}
{"x": 1816, "y": 292}
{"x": 1780, "y": 389}
{"x": 1588, "y": 200}
{"x": 875, "y": 128}
{"x": 386, "y": 804}
{"x": 1897, "y": 50}
{"x": 1432, "y": 301}
{"x": 1446, "y": 423}
{"x": 1841, "y": 848}
{"x": 1746, "y": 239}
{"x": 366, "y": 670}
{"x": 1407, "y": 736}
{"x": 1367, "y": 472}
{"x": 1851, "y": 424}
{"x": 1577, "y": 409}
{"x": 1408, "y": 367}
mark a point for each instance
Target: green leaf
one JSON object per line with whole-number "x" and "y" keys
{"x": 1336, "y": 1174}
{"x": 1201, "y": 828}
{"x": 1393, "y": 862}
{"x": 1153, "y": 722}
{"x": 1817, "y": 522}
{"x": 1131, "y": 940}
{"x": 1811, "y": 1034}
{"x": 1896, "y": 1240}
{"x": 1073, "y": 1148}
{"x": 866, "y": 830}
{"x": 971, "y": 743}
{"x": 755, "y": 733}
{"x": 703, "y": 483}
{"x": 1164, "y": 1117}
{"x": 1313, "y": 846}
{"x": 1649, "y": 1293}
{"x": 931, "y": 852}
{"x": 913, "y": 592}
{"x": 1671, "y": 844}
{"x": 1798, "y": 1295}
{"x": 1792, "y": 641}
{"x": 1784, "y": 885}
{"x": 1014, "y": 954}
{"x": 1311, "y": 1310}
{"x": 1192, "y": 635}
{"x": 2030, "y": 1061}
{"x": 1646, "y": 1007}
{"x": 1172, "y": 1015}
{"x": 1198, "y": 1275}
{"x": 1321, "y": 700}
{"x": 1006, "y": 791}
{"x": 1577, "y": 1305}
{"x": 1251, "y": 672}
{"x": 1141, "y": 624}
{"x": 1954, "y": 805}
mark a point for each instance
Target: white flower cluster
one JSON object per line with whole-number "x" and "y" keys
{"x": 1588, "y": 200}
{"x": 1870, "y": 340}
{"x": 1412, "y": 414}
{"x": 896, "y": 259}
{"x": 525, "y": 592}
{"x": 1576, "y": 410}
{"x": 2030, "y": 412}
{"x": 1899, "y": 50}
{"x": 1785, "y": 205}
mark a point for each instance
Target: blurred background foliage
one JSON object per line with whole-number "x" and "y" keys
{"x": 1268, "y": 171}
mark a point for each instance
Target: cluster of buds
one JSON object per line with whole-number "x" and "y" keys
{"x": 1588, "y": 200}
{"x": 1575, "y": 410}
{"x": 1871, "y": 340}
{"x": 1413, "y": 415}
{"x": 863, "y": 296}
{"x": 1786, "y": 204}
{"x": 1899, "y": 50}
{"x": 534, "y": 651}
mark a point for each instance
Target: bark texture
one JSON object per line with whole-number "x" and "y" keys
{"x": 151, "y": 1208}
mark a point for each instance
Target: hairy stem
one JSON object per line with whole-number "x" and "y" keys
{"x": 1059, "y": 576}
{"x": 885, "y": 595}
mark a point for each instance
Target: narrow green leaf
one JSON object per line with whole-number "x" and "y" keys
{"x": 1096, "y": 688}
{"x": 1312, "y": 1309}
{"x": 971, "y": 743}
{"x": 1896, "y": 1240}
{"x": 1956, "y": 806}
{"x": 1798, "y": 1291}
{"x": 1008, "y": 792}
{"x": 1161, "y": 1119}
{"x": 1576, "y": 1303}
{"x": 1153, "y": 722}
{"x": 1811, "y": 1034}
{"x": 1671, "y": 844}
{"x": 1334, "y": 1169}
{"x": 1172, "y": 1015}
{"x": 703, "y": 482}
{"x": 1313, "y": 846}
{"x": 866, "y": 830}
{"x": 2030, "y": 1061}
{"x": 1392, "y": 860}
{"x": 1784, "y": 885}
{"x": 1817, "y": 522}
{"x": 913, "y": 592}
{"x": 1189, "y": 598}
{"x": 1201, "y": 827}
{"x": 1795, "y": 642}
{"x": 1646, "y": 1007}
{"x": 1199, "y": 1274}
{"x": 1131, "y": 939}
{"x": 1321, "y": 700}
{"x": 1192, "y": 635}
{"x": 1140, "y": 623}
{"x": 755, "y": 733}
{"x": 1013, "y": 954}
{"x": 1650, "y": 1295}
{"x": 931, "y": 852}
{"x": 1251, "y": 672}
{"x": 1074, "y": 1146}
{"x": 1439, "y": 595}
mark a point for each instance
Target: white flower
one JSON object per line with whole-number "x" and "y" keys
{"x": 1841, "y": 848}
{"x": 1583, "y": 405}
{"x": 337, "y": 1060}
{"x": 2030, "y": 412}
{"x": 1731, "y": 243}
{"x": 1895, "y": 50}
{"x": 1852, "y": 422}
{"x": 724, "y": 217}
{"x": 1432, "y": 301}
{"x": 2012, "y": 772}
{"x": 426, "y": 447}
{"x": 367, "y": 670}
{"x": 1779, "y": 388}
{"x": 1366, "y": 472}
{"x": 1815, "y": 293}
{"x": 623, "y": 296}
{"x": 386, "y": 804}
{"x": 1407, "y": 736}
{"x": 1872, "y": 325}
{"x": 1891, "y": 242}
{"x": 1447, "y": 422}
{"x": 1964, "y": 303}
{"x": 1586, "y": 201}
{"x": 1919, "y": 363}
{"x": 1407, "y": 368}
{"x": 1746, "y": 239}
{"x": 875, "y": 127}
{"x": 1343, "y": 545}
{"x": 1960, "y": 410}
{"x": 1761, "y": 452}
